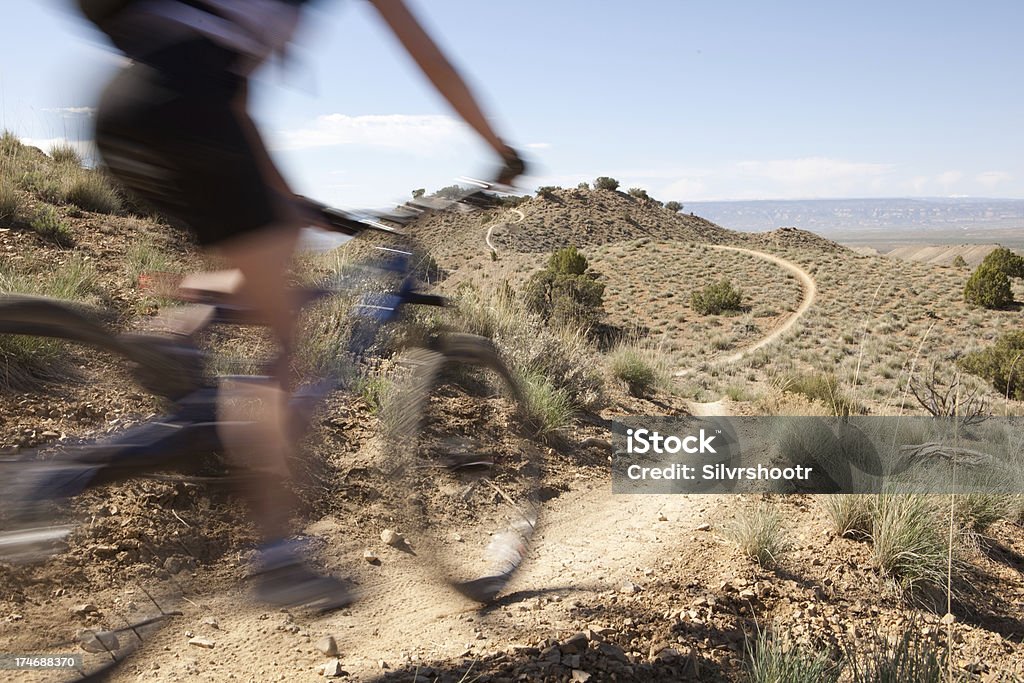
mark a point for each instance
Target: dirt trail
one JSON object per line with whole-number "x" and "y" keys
{"x": 719, "y": 408}
{"x": 590, "y": 543}
{"x": 810, "y": 291}
{"x": 487, "y": 238}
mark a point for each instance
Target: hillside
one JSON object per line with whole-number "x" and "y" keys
{"x": 616, "y": 587}
{"x": 577, "y": 217}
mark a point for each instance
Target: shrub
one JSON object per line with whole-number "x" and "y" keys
{"x": 606, "y": 183}
{"x": 417, "y": 193}
{"x": 565, "y": 292}
{"x": 547, "y": 191}
{"x": 716, "y": 298}
{"x": 1011, "y": 264}
{"x": 760, "y": 534}
{"x": 674, "y": 206}
{"x": 639, "y": 193}
{"x": 66, "y": 154}
{"x": 988, "y": 287}
{"x": 567, "y": 261}
{"x": 1002, "y": 364}
{"x": 450, "y": 192}
{"x": 47, "y": 223}
{"x": 583, "y": 186}
{"x": 959, "y": 261}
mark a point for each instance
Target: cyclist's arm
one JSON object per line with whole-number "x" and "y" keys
{"x": 428, "y": 56}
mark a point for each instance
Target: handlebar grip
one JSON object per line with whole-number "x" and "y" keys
{"x": 513, "y": 168}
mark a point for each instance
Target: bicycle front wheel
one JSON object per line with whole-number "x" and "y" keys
{"x": 464, "y": 465}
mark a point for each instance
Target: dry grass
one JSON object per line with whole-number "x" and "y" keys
{"x": 641, "y": 368}
{"x": 760, "y": 533}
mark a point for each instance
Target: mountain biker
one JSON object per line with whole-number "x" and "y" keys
{"x": 173, "y": 127}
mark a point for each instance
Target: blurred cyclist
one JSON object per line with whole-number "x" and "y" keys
{"x": 173, "y": 128}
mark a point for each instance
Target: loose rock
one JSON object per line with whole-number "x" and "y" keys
{"x": 98, "y": 641}
{"x": 328, "y": 645}
{"x": 392, "y": 538}
{"x": 332, "y": 669}
{"x": 201, "y": 642}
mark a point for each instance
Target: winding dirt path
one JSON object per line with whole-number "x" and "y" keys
{"x": 810, "y": 292}
{"x": 487, "y": 238}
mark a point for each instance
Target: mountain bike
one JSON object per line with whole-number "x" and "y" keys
{"x": 456, "y": 446}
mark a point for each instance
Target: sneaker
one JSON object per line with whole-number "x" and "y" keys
{"x": 284, "y": 580}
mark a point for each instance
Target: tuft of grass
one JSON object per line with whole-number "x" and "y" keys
{"x": 375, "y": 391}
{"x": 90, "y": 191}
{"x": 25, "y": 358}
{"x": 562, "y": 354}
{"x": 638, "y": 370}
{"x": 908, "y": 541}
{"x": 48, "y": 224}
{"x": 10, "y": 145}
{"x": 910, "y": 658}
{"x": 548, "y": 408}
{"x": 823, "y": 388}
{"x": 66, "y": 154}
{"x": 146, "y": 257}
{"x": 10, "y": 202}
{"x": 976, "y": 512}
{"x": 777, "y": 659}
{"x": 760, "y": 534}
{"x": 850, "y": 514}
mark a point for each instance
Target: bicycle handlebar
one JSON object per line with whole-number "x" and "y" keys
{"x": 480, "y": 194}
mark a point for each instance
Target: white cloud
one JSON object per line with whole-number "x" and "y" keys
{"x": 73, "y": 111}
{"x": 812, "y": 171}
{"x": 991, "y": 178}
{"x": 949, "y": 178}
{"x": 806, "y": 177}
{"x": 415, "y": 133}
{"x": 690, "y": 188}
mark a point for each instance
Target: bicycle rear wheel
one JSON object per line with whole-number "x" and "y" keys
{"x": 463, "y": 463}
{"x": 74, "y": 590}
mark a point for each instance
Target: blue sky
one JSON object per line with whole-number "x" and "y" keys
{"x": 691, "y": 99}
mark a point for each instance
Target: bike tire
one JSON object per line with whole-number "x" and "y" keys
{"x": 466, "y": 471}
{"x": 35, "y": 532}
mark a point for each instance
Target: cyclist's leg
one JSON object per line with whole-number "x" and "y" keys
{"x": 176, "y": 132}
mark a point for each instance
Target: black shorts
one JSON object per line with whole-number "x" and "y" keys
{"x": 173, "y": 130}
